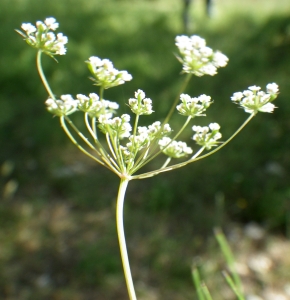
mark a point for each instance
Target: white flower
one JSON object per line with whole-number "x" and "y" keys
{"x": 41, "y": 38}
{"x": 272, "y": 88}
{"x": 193, "y": 107}
{"x": 28, "y": 28}
{"x": 175, "y": 149}
{"x": 237, "y": 96}
{"x": 214, "y": 126}
{"x": 95, "y": 107}
{"x": 207, "y": 136}
{"x": 51, "y": 23}
{"x": 64, "y": 106}
{"x": 254, "y": 100}
{"x": 254, "y": 88}
{"x": 197, "y": 58}
{"x": 105, "y": 74}
{"x": 140, "y": 105}
{"x": 268, "y": 107}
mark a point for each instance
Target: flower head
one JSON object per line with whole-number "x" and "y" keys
{"x": 254, "y": 100}
{"x": 197, "y": 58}
{"x": 118, "y": 126}
{"x": 64, "y": 106}
{"x": 193, "y": 107}
{"x": 141, "y": 105}
{"x": 96, "y": 107}
{"x": 43, "y": 38}
{"x": 174, "y": 149}
{"x": 207, "y": 136}
{"x": 104, "y": 73}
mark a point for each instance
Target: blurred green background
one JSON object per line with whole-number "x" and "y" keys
{"x": 57, "y": 237}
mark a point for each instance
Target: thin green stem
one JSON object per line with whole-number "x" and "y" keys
{"x": 166, "y": 162}
{"x": 86, "y": 115}
{"x": 198, "y": 284}
{"x": 86, "y": 140}
{"x": 122, "y": 240}
{"x": 101, "y": 93}
{"x": 101, "y": 151}
{"x": 94, "y": 127}
{"x": 66, "y": 130}
{"x": 42, "y": 76}
{"x": 233, "y": 286}
{"x": 135, "y": 125}
{"x": 166, "y": 169}
{"x": 228, "y": 255}
{"x": 107, "y": 163}
{"x": 182, "y": 89}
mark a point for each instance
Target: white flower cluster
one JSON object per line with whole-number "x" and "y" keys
{"x": 67, "y": 105}
{"x": 143, "y": 138}
{"x": 43, "y": 38}
{"x": 156, "y": 130}
{"x": 105, "y": 75}
{"x": 64, "y": 106}
{"x": 207, "y": 136}
{"x": 197, "y": 58}
{"x": 118, "y": 126}
{"x": 254, "y": 100}
{"x": 96, "y": 107}
{"x": 141, "y": 105}
{"x": 193, "y": 107}
{"x": 174, "y": 149}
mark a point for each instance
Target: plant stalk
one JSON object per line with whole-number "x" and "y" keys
{"x": 42, "y": 76}
{"x": 122, "y": 240}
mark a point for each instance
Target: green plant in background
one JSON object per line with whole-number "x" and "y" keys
{"x": 128, "y": 147}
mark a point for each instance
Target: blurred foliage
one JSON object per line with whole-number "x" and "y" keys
{"x": 49, "y": 177}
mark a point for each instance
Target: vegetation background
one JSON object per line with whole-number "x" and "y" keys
{"x": 57, "y": 236}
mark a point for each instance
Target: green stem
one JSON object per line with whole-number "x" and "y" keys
{"x": 42, "y": 76}
{"x": 166, "y": 162}
{"x": 91, "y": 131}
{"x": 108, "y": 164}
{"x": 122, "y": 240}
{"x": 101, "y": 93}
{"x": 183, "y": 87}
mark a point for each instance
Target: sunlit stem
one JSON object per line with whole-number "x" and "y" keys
{"x": 42, "y": 76}
{"x": 94, "y": 126}
{"x": 136, "y": 124}
{"x": 66, "y": 130}
{"x": 101, "y": 93}
{"x": 166, "y": 162}
{"x": 101, "y": 153}
{"x": 89, "y": 126}
{"x": 86, "y": 140}
{"x": 110, "y": 145}
{"x": 122, "y": 240}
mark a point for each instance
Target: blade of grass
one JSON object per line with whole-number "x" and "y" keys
{"x": 232, "y": 285}
{"x": 228, "y": 255}
{"x": 198, "y": 284}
